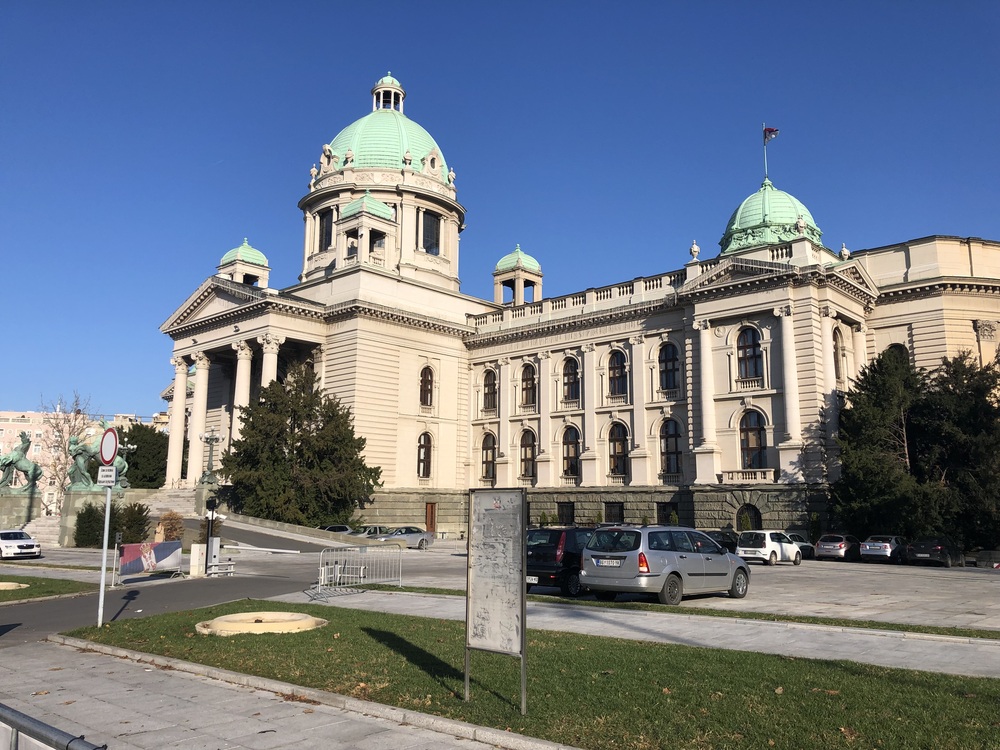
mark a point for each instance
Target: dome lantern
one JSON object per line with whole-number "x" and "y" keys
{"x": 388, "y": 93}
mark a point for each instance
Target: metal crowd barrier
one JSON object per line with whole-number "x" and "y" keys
{"x": 350, "y": 567}
{"x": 19, "y": 730}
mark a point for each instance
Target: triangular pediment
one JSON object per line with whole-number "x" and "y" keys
{"x": 727, "y": 271}
{"x": 854, "y": 272}
{"x": 215, "y": 297}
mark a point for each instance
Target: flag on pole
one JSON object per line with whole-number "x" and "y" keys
{"x": 770, "y": 133}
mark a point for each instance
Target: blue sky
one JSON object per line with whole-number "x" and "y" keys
{"x": 141, "y": 141}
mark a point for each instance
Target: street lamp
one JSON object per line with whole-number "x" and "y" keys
{"x": 211, "y": 439}
{"x": 124, "y": 450}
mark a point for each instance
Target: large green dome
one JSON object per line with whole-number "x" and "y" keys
{"x": 386, "y": 138}
{"x": 768, "y": 217}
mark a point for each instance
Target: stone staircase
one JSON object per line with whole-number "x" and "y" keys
{"x": 179, "y": 501}
{"x": 45, "y": 529}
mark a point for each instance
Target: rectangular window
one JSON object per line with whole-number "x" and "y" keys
{"x": 432, "y": 233}
{"x": 325, "y": 230}
{"x": 567, "y": 513}
{"x": 614, "y": 512}
{"x": 667, "y": 514}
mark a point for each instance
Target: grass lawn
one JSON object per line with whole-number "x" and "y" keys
{"x": 38, "y": 587}
{"x": 593, "y": 692}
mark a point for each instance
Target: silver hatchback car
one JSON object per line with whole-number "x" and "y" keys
{"x": 668, "y": 561}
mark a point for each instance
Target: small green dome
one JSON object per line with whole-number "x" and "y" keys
{"x": 768, "y": 217}
{"x": 388, "y": 80}
{"x": 518, "y": 258}
{"x": 245, "y": 253}
{"x": 387, "y": 139}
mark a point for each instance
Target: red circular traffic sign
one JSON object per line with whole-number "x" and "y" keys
{"x": 109, "y": 446}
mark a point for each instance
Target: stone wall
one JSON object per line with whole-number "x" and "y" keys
{"x": 17, "y": 508}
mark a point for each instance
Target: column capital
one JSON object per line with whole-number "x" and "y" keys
{"x": 270, "y": 342}
{"x": 702, "y": 324}
{"x": 503, "y": 361}
{"x": 201, "y": 360}
{"x": 986, "y": 330}
{"x": 782, "y": 311}
{"x": 180, "y": 364}
{"x": 637, "y": 340}
{"x": 859, "y": 328}
{"x": 243, "y": 350}
{"x": 827, "y": 311}
{"x": 589, "y": 348}
{"x": 544, "y": 355}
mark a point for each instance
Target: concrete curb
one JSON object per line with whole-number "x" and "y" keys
{"x": 497, "y": 737}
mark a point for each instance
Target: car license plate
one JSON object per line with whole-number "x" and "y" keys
{"x": 531, "y": 579}
{"x": 608, "y": 563}
{"x": 923, "y": 554}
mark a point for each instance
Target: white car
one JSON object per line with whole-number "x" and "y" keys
{"x": 16, "y": 543}
{"x": 805, "y": 546}
{"x": 769, "y": 547}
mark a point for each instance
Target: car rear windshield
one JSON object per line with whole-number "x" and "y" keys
{"x": 831, "y": 538}
{"x": 752, "y": 539}
{"x": 880, "y": 539}
{"x": 542, "y": 537}
{"x": 615, "y": 540}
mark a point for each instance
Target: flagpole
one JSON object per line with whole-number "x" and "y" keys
{"x": 763, "y": 130}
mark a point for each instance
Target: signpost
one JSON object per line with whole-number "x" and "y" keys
{"x": 106, "y": 476}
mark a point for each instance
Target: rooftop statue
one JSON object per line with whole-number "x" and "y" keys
{"x": 17, "y": 460}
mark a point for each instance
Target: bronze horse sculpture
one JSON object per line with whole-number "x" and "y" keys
{"x": 17, "y": 460}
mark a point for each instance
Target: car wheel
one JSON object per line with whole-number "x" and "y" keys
{"x": 947, "y": 561}
{"x": 773, "y": 559}
{"x": 422, "y": 544}
{"x": 571, "y": 585}
{"x": 741, "y": 582}
{"x": 798, "y": 559}
{"x": 672, "y": 591}
{"x": 605, "y": 596}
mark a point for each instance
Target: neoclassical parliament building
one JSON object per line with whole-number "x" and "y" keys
{"x": 708, "y": 393}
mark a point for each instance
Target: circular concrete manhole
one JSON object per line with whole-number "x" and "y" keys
{"x": 10, "y": 585}
{"x": 260, "y": 622}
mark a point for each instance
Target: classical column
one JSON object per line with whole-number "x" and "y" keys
{"x": 199, "y": 407}
{"x": 270, "y": 343}
{"x": 860, "y": 332}
{"x": 241, "y": 393}
{"x": 505, "y": 477}
{"x": 178, "y": 405}
{"x": 707, "y": 455}
{"x": 640, "y": 439}
{"x": 310, "y": 240}
{"x": 588, "y": 449}
{"x": 790, "y": 374}
{"x": 548, "y": 461}
{"x": 420, "y": 229}
{"x": 827, "y": 317}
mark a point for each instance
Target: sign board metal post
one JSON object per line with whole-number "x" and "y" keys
{"x": 109, "y": 449}
{"x": 495, "y": 618}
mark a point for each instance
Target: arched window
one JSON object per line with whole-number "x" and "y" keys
{"x": 490, "y": 390}
{"x": 424, "y": 455}
{"x": 427, "y": 387}
{"x": 748, "y": 354}
{"x": 528, "y": 394}
{"x": 571, "y": 452}
{"x": 753, "y": 441}
{"x": 748, "y": 518}
{"x": 617, "y": 374}
{"x": 489, "y": 457}
{"x": 670, "y": 447}
{"x": 571, "y": 379}
{"x": 618, "y": 450}
{"x": 528, "y": 454}
{"x": 670, "y": 368}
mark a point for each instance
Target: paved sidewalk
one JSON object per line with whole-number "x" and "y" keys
{"x": 960, "y": 656}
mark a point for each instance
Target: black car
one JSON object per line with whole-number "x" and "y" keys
{"x": 938, "y": 548}
{"x": 725, "y": 537}
{"x": 553, "y": 555}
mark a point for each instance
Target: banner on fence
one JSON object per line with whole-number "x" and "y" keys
{"x": 149, "y": 557}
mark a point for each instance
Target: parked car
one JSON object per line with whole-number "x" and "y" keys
{"x": 338, "y": 528}
{"x": 838, "y": 547}
{"x": 16, "y": 543}
{"x": 883, "y": 548}
{"x": 768, "y": 546}
{"x": 411, "y": 536}
{"x": 939, "y": 549}
{"x": 668, "y": 561}
{"x": 806, "y": 547}
{"x": 371, "y": 531}
{"x": 727, "y": 538}
{"x": 553, "y": 555}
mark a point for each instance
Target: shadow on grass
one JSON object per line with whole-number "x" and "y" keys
{"x": 450, "y": 678}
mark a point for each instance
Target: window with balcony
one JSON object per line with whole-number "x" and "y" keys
{"x": 489, "y": 457}
{"x": 753, "y": 441}
{"x": 424, "y": 456}
{"x": 618, "y": 450}
{"x": 571, "y": 452}
{"x": 427, "y": 387}
{"x": 571, "y": 382}
{"x": 490, "y": 392}
{"x": 749, "y": 357}
{"x": 670, "y": 371}
{"x": 527, "y": 454}
{"x": 617, "y": 375}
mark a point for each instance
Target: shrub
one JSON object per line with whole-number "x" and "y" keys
{"x": 89, "y": 530}
{"x": 203, "y": 531}
{"x": 674, "y": 518}
{"x": 132, "y": 521}
{"x": 172, "y": 526}
{"x": 543, "y": 519}
{"x": 815, "y": 527}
